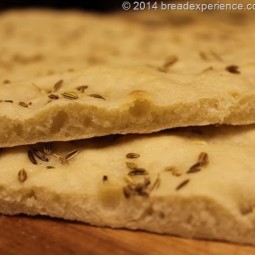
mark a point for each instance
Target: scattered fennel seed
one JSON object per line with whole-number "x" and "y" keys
{"x": 63, "y": 161}
{"x": 132, "y": 155}
{"x": 131, "y": 165}
{"x": 22, "y": 175}
{"x": 138, "y": 171}
{"x": 53, "y": 96}
{"x": 182, "y": 184}
{"x": 140, "y": 189}
{"x": 82, "y": 88}
{"x": 23, "y": 104}
{"x": 126, "y": 191}
{"x": 96, "y": 96}
{"x": 31, "y": 156}
{"x": 70, "y": 95}
{"x": 47, "y": 148}
{"x": 233, "y": 69}
{"x": 57, "y": 85}
{"x": 203, "y": 158}
{"x": 169, "y": 62}
{"x": 71, "y": 154}
{"x": 194, "y": 168}
{"x": 40, "y": 155}
{"x": 156, "y": 183}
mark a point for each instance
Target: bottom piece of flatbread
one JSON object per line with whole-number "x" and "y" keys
{"x": 195, "y": 182}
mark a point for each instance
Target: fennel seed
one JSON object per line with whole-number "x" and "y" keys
{"x": 53, "y": 96}
{"x": 23, "y": 104}
{"x": 131, "y": 165}
{"x": 169, "y": 62}
{"x": 194, "y": 168}
{"x": 22, "y": 175}
{"x": 70, "y": 95}
{"x": 132, "y": 155}
{"x": 57, "y": 85}
{"x": 31, "y": 156}
{"x": 40, "y": 155}
{"x": 138, "y": 171}
{"x": 82, "y": 88}
{"x": 182, "y": 184}
{"x": 47, "y": 148}
{"x": 156, "y": 183}
{"x": 71, "y": 154}
{"x": 233, "y": 69}
{"x": 96, "y": 96}
{"x": 203, "y": 158}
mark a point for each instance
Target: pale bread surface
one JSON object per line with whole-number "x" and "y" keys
{"x": 132, "y": 101}
{"x": 154, "y": 70}
{"x": 37, "y": 42}
{"x": 216, "y": 203}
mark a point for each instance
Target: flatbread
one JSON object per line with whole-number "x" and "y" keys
{"x": 194, "y": 182}
{"x": 101, "y": 100}
{"x": 155, "y": 71}
{"x": 39, "y": 42}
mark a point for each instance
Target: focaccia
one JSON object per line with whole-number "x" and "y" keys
{"x": 104, "y": 100}
{"x": 39, "y": 42}
{"x": 134, "y": 73}
{"x": 196, "y": 182}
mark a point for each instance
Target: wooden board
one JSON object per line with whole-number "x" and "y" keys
{"x": 42, "y": 235}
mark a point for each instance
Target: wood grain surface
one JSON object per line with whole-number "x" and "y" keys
{"x": 42, "y": 235}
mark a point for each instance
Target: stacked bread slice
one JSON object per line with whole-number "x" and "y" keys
{"x": 164, "y": 108}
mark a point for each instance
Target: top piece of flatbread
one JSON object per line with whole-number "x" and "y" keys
{"x": 122, "y": 73}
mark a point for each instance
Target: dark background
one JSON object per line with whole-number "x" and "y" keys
{"x": 95, "y": 5}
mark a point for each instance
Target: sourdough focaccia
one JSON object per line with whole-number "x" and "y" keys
{"x": 195, "y": 182}
{"x": 101, "y": 100}
{"x": 134, "y": 73}
{"x": 40, "y": 42}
